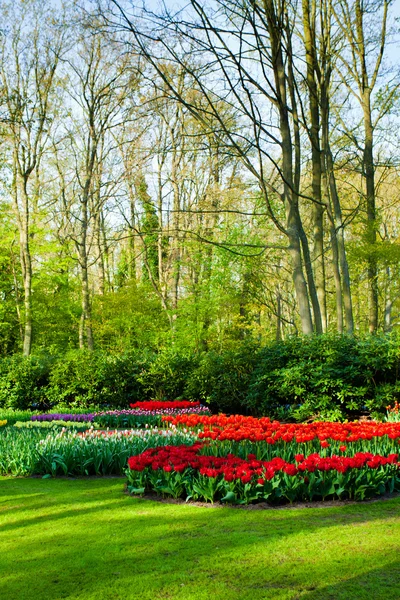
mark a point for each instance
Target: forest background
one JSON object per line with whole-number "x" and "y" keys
{"x": 199, "y": 185}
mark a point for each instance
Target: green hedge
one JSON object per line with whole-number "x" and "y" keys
{"x": 24, "y": 381}
{"x": 327, "y": 377}
{"x": 222, "y": 381}
{"x": 83, "y": 379}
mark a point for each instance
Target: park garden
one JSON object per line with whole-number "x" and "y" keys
{"x": 146, "y": 486}
{"x": 178, "y": 449}
{"x": 199, "y": 300}
{"x": 112, "y": 503}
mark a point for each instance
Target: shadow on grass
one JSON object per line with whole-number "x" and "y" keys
{"x": 375, "y": 584}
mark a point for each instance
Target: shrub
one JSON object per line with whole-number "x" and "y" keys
{"x": 321, "y": 377}
{"x": 82, "y": 378}
{"x": 325, "y": 377}
{"x": 166, "y": 375}
{"x": 222, "y": 380}
{"x": 23, "y": 381}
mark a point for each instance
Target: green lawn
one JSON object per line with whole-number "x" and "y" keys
{"x": 85, "y": 539}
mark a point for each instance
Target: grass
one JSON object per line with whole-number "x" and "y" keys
{"x": 85, "y": 539}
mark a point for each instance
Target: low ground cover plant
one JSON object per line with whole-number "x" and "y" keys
{"x": 56, "y": 424}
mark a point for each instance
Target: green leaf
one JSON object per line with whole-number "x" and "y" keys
{"x": 133, "y": 490}
{"x": 230, "y": 497}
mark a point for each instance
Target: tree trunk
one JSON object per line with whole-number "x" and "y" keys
{"x": 27, "y": 344}
{"x": 27, "y": 272}
{"x": 369, "y": 175}
{"x": 278, "y": 334}
{"x": 176, "y": 252}
{"x": 289, "y": 193}
{"x": 299, "y": 281}
{"x": 17, "y": 297}
{"x": 339, "y": 234}
{"x": 309, "y": 13}
{"x": 85, "y": 332}
{"x": 337, "y": 280}
{"x": 85, "y": 328}
{"x": 388, "y": 303}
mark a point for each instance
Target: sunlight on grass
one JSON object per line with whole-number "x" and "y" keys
{"x": 85, "y": 539}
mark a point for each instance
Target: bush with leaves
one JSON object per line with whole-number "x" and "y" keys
{"x": 165, "y": 377}
{"x": 325, "y": 377}
{"x": 24, "y": 380}
{"x": 320, "y": 377}
{"x": 82, "y": 378}
{"x": 222, "y": 380}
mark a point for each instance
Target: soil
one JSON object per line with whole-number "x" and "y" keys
{"x": 265, "y": 505}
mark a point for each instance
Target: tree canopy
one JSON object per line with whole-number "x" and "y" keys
{"x": 198, "y": 175}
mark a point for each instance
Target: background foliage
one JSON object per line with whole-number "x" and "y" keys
{"x": 326, "y": 377}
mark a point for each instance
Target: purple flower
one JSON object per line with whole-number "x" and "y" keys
{"x": 84, "y": 417}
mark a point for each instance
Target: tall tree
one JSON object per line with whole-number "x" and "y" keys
{"x": 322, "y": 46}
{"x": 364, "y": 27}
{"x": 226, "y": 37}
{"x": 31, "y": 46}
{"x": 98, "y": 85}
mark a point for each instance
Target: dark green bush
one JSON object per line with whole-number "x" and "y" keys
{"x": 222, "y": 380}
{"x": 166, "y": 376}
{"x": 326, "y": 377}
{"x": 23, "y": 381}
{"x": 82, "y": 378}
{"x": 321, "y": 377}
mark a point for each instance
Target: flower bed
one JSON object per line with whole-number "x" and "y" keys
{"x": 243, "y": 459}
{"x": 223, "y": 458}
{"x": 70, "y": 417}
{"x": 100, "y": 452}
{"x": 238, "y": 427}
{"x": 124, "y": 418}
{"x": 162, "y": 405}
{"x": 189, "y": 473}
{"x": 92, "y": 452}
{"x": 243, "y": 435}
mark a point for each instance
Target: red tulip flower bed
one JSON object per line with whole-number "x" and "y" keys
{"x": 265, "y": 438}
{"x": 239, "y": 428}
{"x": 191, "y": 472}
{"x": 167, "y": 405}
